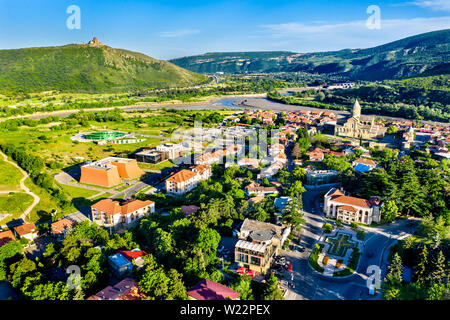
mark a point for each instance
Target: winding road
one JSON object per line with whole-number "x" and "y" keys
{"x": 36, "y": 198}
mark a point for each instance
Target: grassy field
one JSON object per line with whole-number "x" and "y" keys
{"x": 15, "y": 204}
{"x": 158, "y": 166}
{"x": 10, "y": 177}
{"x": 76, "y": 192}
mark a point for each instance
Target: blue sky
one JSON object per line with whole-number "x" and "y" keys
{"x": 168, "y": 29}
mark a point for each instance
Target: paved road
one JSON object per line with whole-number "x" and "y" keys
{"x": 310, "y": 285}
{"x": 36, "y": 199}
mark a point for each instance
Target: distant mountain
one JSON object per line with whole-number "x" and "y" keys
{"x": 92, "y": 67}
{"x": 424, "y": 54}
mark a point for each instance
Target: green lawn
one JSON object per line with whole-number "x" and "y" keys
{"x": 76, "y": 192}
{"x": 339, "y": 244}
{"x": 14, "y": 203}
{"x": 352, "y": 264}
{"x": 10, "y": 177}
{"x": 158, "y": 166}
{"x": 314, "y": 257}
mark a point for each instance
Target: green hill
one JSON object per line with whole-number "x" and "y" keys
{"x": 420, "y": 55}
{"x": 85, "y": 68}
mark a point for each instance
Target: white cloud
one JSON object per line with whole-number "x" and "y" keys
{"x": 437, "y": 5}
{"x": 352, "y": 34}
{"x": 178, "y": 33}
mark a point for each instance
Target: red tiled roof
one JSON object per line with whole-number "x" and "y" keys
{"x": 210, "y": 290}
{"x": 348, "y": 208}
{"x": 352, "y": 201}
{"x": 6, "y": 236}
{"x": 133, "y": 205}
{"x": 108, "y": 206}
{"x": 182, "y": 176}
{"x": 127, "y": 289}
{"x": 60, "y": 225}
{"x": 25, "y": 228}
{"x": 189, "y": 210}
{"x": 131, "y": 255}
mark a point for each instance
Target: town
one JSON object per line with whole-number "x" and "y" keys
{"x": 219, "y": 159}
{"x": 263, "y": 205}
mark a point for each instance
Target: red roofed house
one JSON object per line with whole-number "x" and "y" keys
{"x": 351, "y": 209}
{"x": 316, "y": 155}
{"x": 127, "y": 289}
{"x": 210, "y": 290}
{"x": 110, "y": 213}
{"x": 27, "y": 231}
{"x": 6, "y": 236}
{"x": 188, "y": 211}
{"x": 60, "y": 227}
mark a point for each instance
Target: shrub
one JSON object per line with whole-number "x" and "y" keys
{"x": 327, "y": 227}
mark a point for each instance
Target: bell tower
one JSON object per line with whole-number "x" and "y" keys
{"x": 356, "y": 109}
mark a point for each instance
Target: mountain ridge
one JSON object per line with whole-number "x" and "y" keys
{"x": 87, "y": 68}
{"x": 403, "y": 58}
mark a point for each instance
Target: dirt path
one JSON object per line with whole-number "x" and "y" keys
{"x": 36, "y": 199}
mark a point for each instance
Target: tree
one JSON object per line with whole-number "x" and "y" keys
{"x": 271, "y": 290}
{"x": 292, "y": 214}
{"x": 296, "y": 151}
{"x": 298, "y": 173}
{"x": 295, "y": 190}
{"x": 392, "y": 130}
{"x": 327, "y": 227}
{"x": 258, "y": 213}
{"x": 437, "y": 275}
{"x": 395, "y": 271}
{"x": 389, "y": 211}
{"x": 422, "y": 266}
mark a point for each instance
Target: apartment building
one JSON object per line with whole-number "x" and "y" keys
{"x": 109, "y": 213}
{"x": 187, "y": 179}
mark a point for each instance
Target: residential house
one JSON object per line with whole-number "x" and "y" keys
{"x": 351, "y": 209}
{"x": 59, "y": 228}
{"x": 251, "y": 163}
{"x": 127, "y": 289}
{"x": 256, "y": 188}
{"x": 6, "y": 236}
{"x": 210, "y": 290}
{"x": 121, "y": 263}
{"x": 189, "y": 211}
{"x": 364, "y": 164}
{"x": 27, "y": 231}
{"x": 316, "y": 155}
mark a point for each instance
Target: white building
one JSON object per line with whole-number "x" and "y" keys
{"x": 171, "y": 150}
{"x": 351, "y": 209}
{"x": 186, "y": 180}
{"x": 109, "y": 213}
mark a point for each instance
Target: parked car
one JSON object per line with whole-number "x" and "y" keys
{"x": 289, "y": 267}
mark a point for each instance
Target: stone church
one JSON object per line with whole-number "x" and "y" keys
{"x": 358, "y": 126}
